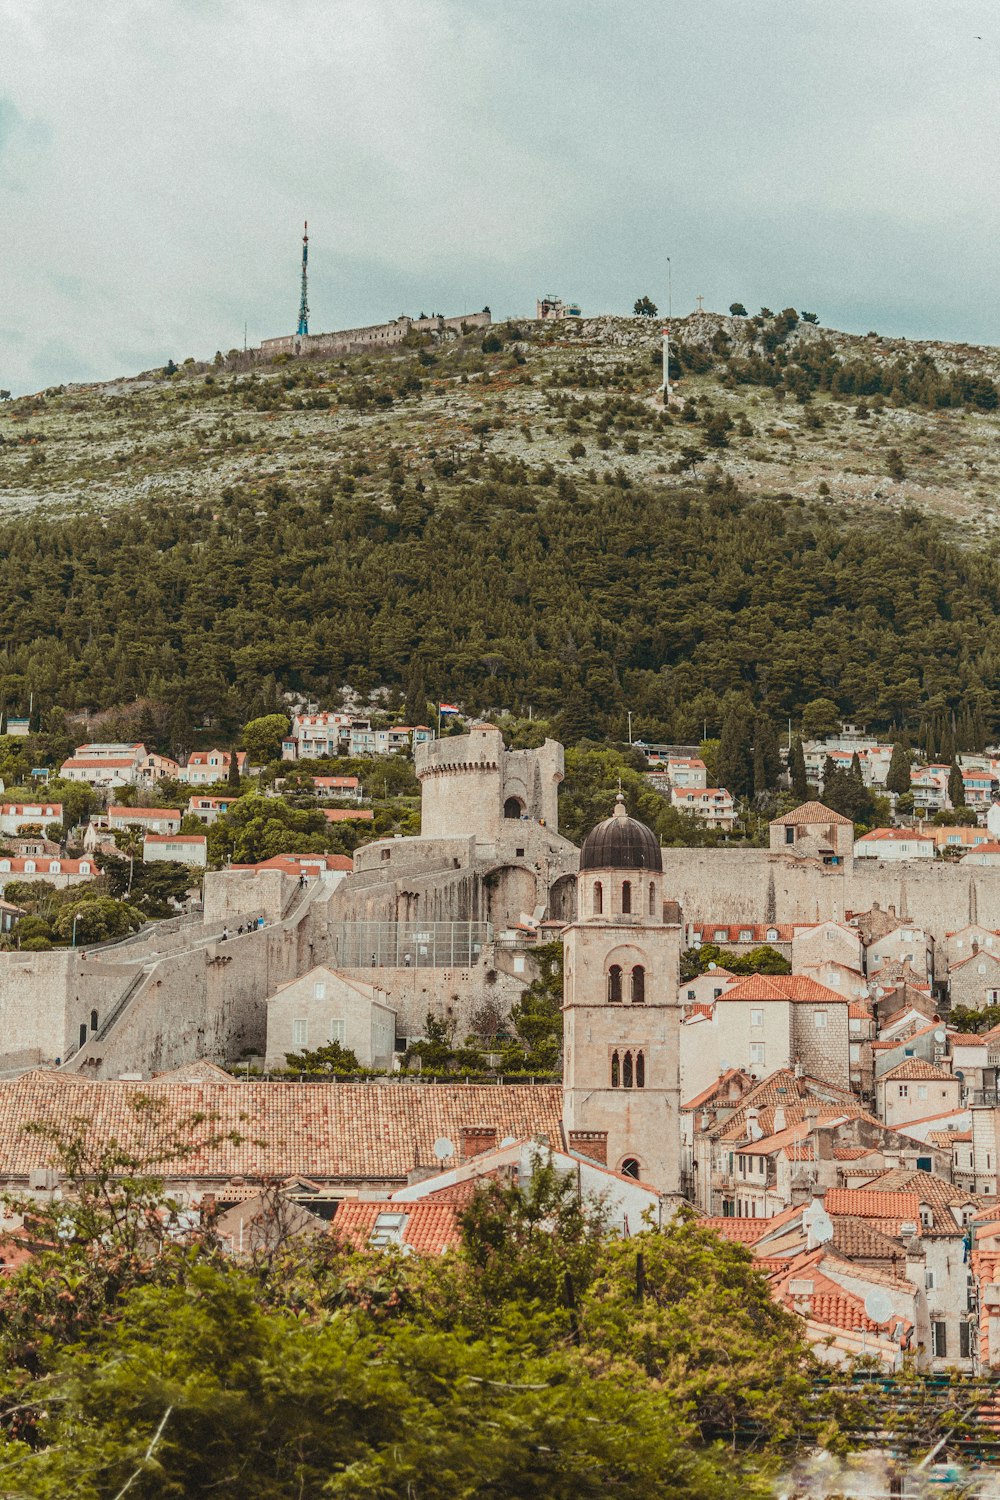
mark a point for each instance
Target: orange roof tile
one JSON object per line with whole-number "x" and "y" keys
{"x": 430, "y": 1227}
{"x": 809, "y": 812}
{"x": 782, "y": 987}
{"x": 865, "y": 1203}
{"x": 917, "y": 1067}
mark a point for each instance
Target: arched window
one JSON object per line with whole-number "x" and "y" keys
{"x": 615, "y": 984}
{"x": 630, "y": 1167}
{"x": 640, "y": 1070}
{"x": 627, "y": 1071}
{"x": 598, "y": 898}
{"x": 626, "y": 898}
{"x": 93, "y": 1020}
{"x": 615, "y": 1071}
{"x": 652, "y": 898}
{"x": 513, "y": 807}
{"x": 29, "y": 867}
{"x": 638, "y": 985}
{"x": 54, "y": 867}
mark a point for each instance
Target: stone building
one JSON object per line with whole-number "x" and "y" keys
{"x": 323, "y": 1006}
{"x": 813, "y": 831}
{"x": 621, "y": 1007}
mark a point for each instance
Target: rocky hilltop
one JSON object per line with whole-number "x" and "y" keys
{"x": 781, "y": 405}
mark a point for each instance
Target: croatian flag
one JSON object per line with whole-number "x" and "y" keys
{"x": 448, "y": 708}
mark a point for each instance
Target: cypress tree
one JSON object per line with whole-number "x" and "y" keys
{"x": 734, "y": 762}
{"x": 898, "y": 779}
{"x": 234, "y": 768}
{"x": 956, "y": 786}
{"x": 766, "y": 759}
{"x": 800, "y": 783}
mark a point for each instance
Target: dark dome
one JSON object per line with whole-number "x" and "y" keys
{"x": 621, "y": 843}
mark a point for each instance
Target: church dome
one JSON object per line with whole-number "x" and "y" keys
{"x": 621, "y": 843}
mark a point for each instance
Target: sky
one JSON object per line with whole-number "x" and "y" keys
{"x": 158, "y": 158}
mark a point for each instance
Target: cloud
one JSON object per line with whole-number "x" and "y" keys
{"x": 157, "y": 159}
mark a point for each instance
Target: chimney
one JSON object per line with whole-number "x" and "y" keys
{"x": 475, "y": 1139}
{"x": 590, "y": 1143}
{"x": 779, "y": 1119}
{"x": 753, "y": 1125}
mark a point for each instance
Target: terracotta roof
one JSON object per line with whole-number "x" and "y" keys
{"x": 810, "y": 812}
{"x": 967, "y": 1039}
{"x": 342, "y": 1131}
{"x": 928, "y": 1186}
{"x": 76, "y": 763}
{"x": 758, "y": 931}
{"x": 294, "y": 864}
{"x": 15, "y": 864}
{"x": 852, "y": 1153}
{"x": 719, "y": 1087}
{"x": 906, "y": 835}
{"x": 864, "y": 1203}
{"x": 916, "y": 1067}
{"x": 430, "y": 1226}
{"x": 175, "y": 838}
{"x": 859, "y": 1239}
{"x": 742, "y": 1231}
{"x": 990, "y": 848}
{"x": 348, "y": 814}
{"x": 782, "y": 987}
{"x": 947, "y": 1138}
{"x": 138, "y": 813}
{"x": 982, "y": 953}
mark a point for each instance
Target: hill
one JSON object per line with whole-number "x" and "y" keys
{"x": 516, "y": 525}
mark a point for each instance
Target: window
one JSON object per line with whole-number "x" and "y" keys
{"x": 627, "y": 1071}
{"x": 903, "y": 1091}
{"x": 338, "y": 1031}
{"x": 640, "y": 1070}
{"x": 626, "y": 898}
{"x": 965, "y": 1340}
{"x": 93, "y": 1020}
{"x": 512, "y": 808}
{"x": 652, "y": 898}
{"x": 638, "y": 985}
{"x": 930, "y": 1280}
{"x": 819, "y": 1017}
{"x": 598, "y": 904}
{"x": 319, "y": 990}
{"x": 29, "y": 867}
{"x": 83, "y": 1033}
{"x": 772, "y": 934}
{"x": 388, "y": 1230}
{"x": 746, "y": 936}
{"x": 630, "y": 1167}
{"x": 616, "y": 1076}
{"x": 756, "y": 1054}
{"x": 921, "y": 1091}
{"x": 939, "y": 1340}
{"x": 615, "y": 984}
{"x": 53, "y": 867}
{"x": 300, "y": 1032}
{"x": 756, "y": 1016}
{"x": 789, "y": 835}
{"x": 722, "y": 934}
{"x": 692, "y": 995}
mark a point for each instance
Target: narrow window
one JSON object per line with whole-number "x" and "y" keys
{"x": 615, "y": 984}
{"x": 652, "y": 898}
{"x": 939, "y": 1340}
{"x": 615, "y": 1071}
{"x": 640, "y": 1070}
{"x": 83, "y": 1033}
{"x": 627, "y": 1071}
{"x": 93, "y": 1020}
{"x": 626, "y": 898}
{"x": 638, "y": 985}
{"x": 598, "y": 898}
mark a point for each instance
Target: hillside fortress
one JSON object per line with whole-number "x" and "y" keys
{"x": 375, "y": 336}
{"x": 442, "y": 924}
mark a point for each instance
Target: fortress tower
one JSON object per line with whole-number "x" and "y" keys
{"x": 471, "y": 786}
{"x": 621, "y": 1009}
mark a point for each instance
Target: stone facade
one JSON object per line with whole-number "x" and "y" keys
{"x": 322, "y": 1007}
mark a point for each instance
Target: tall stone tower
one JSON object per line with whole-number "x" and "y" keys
{"x": 621, "y": 1007}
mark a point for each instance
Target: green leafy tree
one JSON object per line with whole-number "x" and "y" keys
{"x": 820, "y": 717}
{"x": 333, "y": 1058}
{"x": 262, "y": 738}
{"x": 99, "y": 919}
{"x": 737, "y": 309}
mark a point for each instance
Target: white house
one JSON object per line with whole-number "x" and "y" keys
{"x": 184, "y": 848}
{"x": 58, "y": 872}
{"x": 149, "y": 819}
{"x": 687, "y": 771}
{"x": 207, "y": 809}
{"x": 105, "y": 765}
{"x": 206, "y": 767}
{"x": 894, "y": 843}
{"x": 915, "y": 1089}
{"x": 712, "y": 805}
{"x": 322, "y": 1007}
{"x": 17, "y": 815}
{"x": 985, "y": 854}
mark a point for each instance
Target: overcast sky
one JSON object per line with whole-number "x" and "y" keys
{"x": 157, "y": 158}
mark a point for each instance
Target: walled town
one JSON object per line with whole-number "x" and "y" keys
{"x": 798, "y": 1040}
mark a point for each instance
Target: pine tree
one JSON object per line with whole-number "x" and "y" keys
{"x": 956, "y": 786}
{"x": 800, "y": 783}
{"x": 898, "y": 779}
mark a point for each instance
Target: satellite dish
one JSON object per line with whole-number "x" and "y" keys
{"x": 443, "y": 1148}
{"x": 508, "y": 1140}
{"x": 940, "y": 1036}
{"x": 878, "y": 1305}
{"x": 818, "y": 1225}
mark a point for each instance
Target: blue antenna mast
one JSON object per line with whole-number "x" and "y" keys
{"x": 303, "y": 299}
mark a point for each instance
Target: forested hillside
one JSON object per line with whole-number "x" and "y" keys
{"x": 408, "y": 545}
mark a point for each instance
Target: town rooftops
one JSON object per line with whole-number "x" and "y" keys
{"x": 343, "y": 1132}
{"x": 794, "y": 987}
{"x": 908, "y": 835}
{"x": 916, "y": 1068}
{"x": 865, "y": 1203}
{"x": 299, "y": 864}
{"x": 426, "y": 1226}
{"x": 809, "y": 812}
{"x": 42, "y": 810}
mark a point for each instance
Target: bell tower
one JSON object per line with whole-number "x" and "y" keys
{"x": 621, "y": 1004}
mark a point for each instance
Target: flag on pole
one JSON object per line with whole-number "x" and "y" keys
{"x": 448, "y": 708}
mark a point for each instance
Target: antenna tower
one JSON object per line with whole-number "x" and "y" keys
{"x": 304, "y": 299}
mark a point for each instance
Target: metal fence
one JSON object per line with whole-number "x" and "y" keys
{"x": 406, "y": 945}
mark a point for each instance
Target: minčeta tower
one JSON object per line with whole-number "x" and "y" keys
{"x": 621, "y": 1006}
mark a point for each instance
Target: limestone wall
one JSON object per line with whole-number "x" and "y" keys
{"x": 232, "y": 895}
{"x": 754, "y": 885}
{"x": 450, "y": 995}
